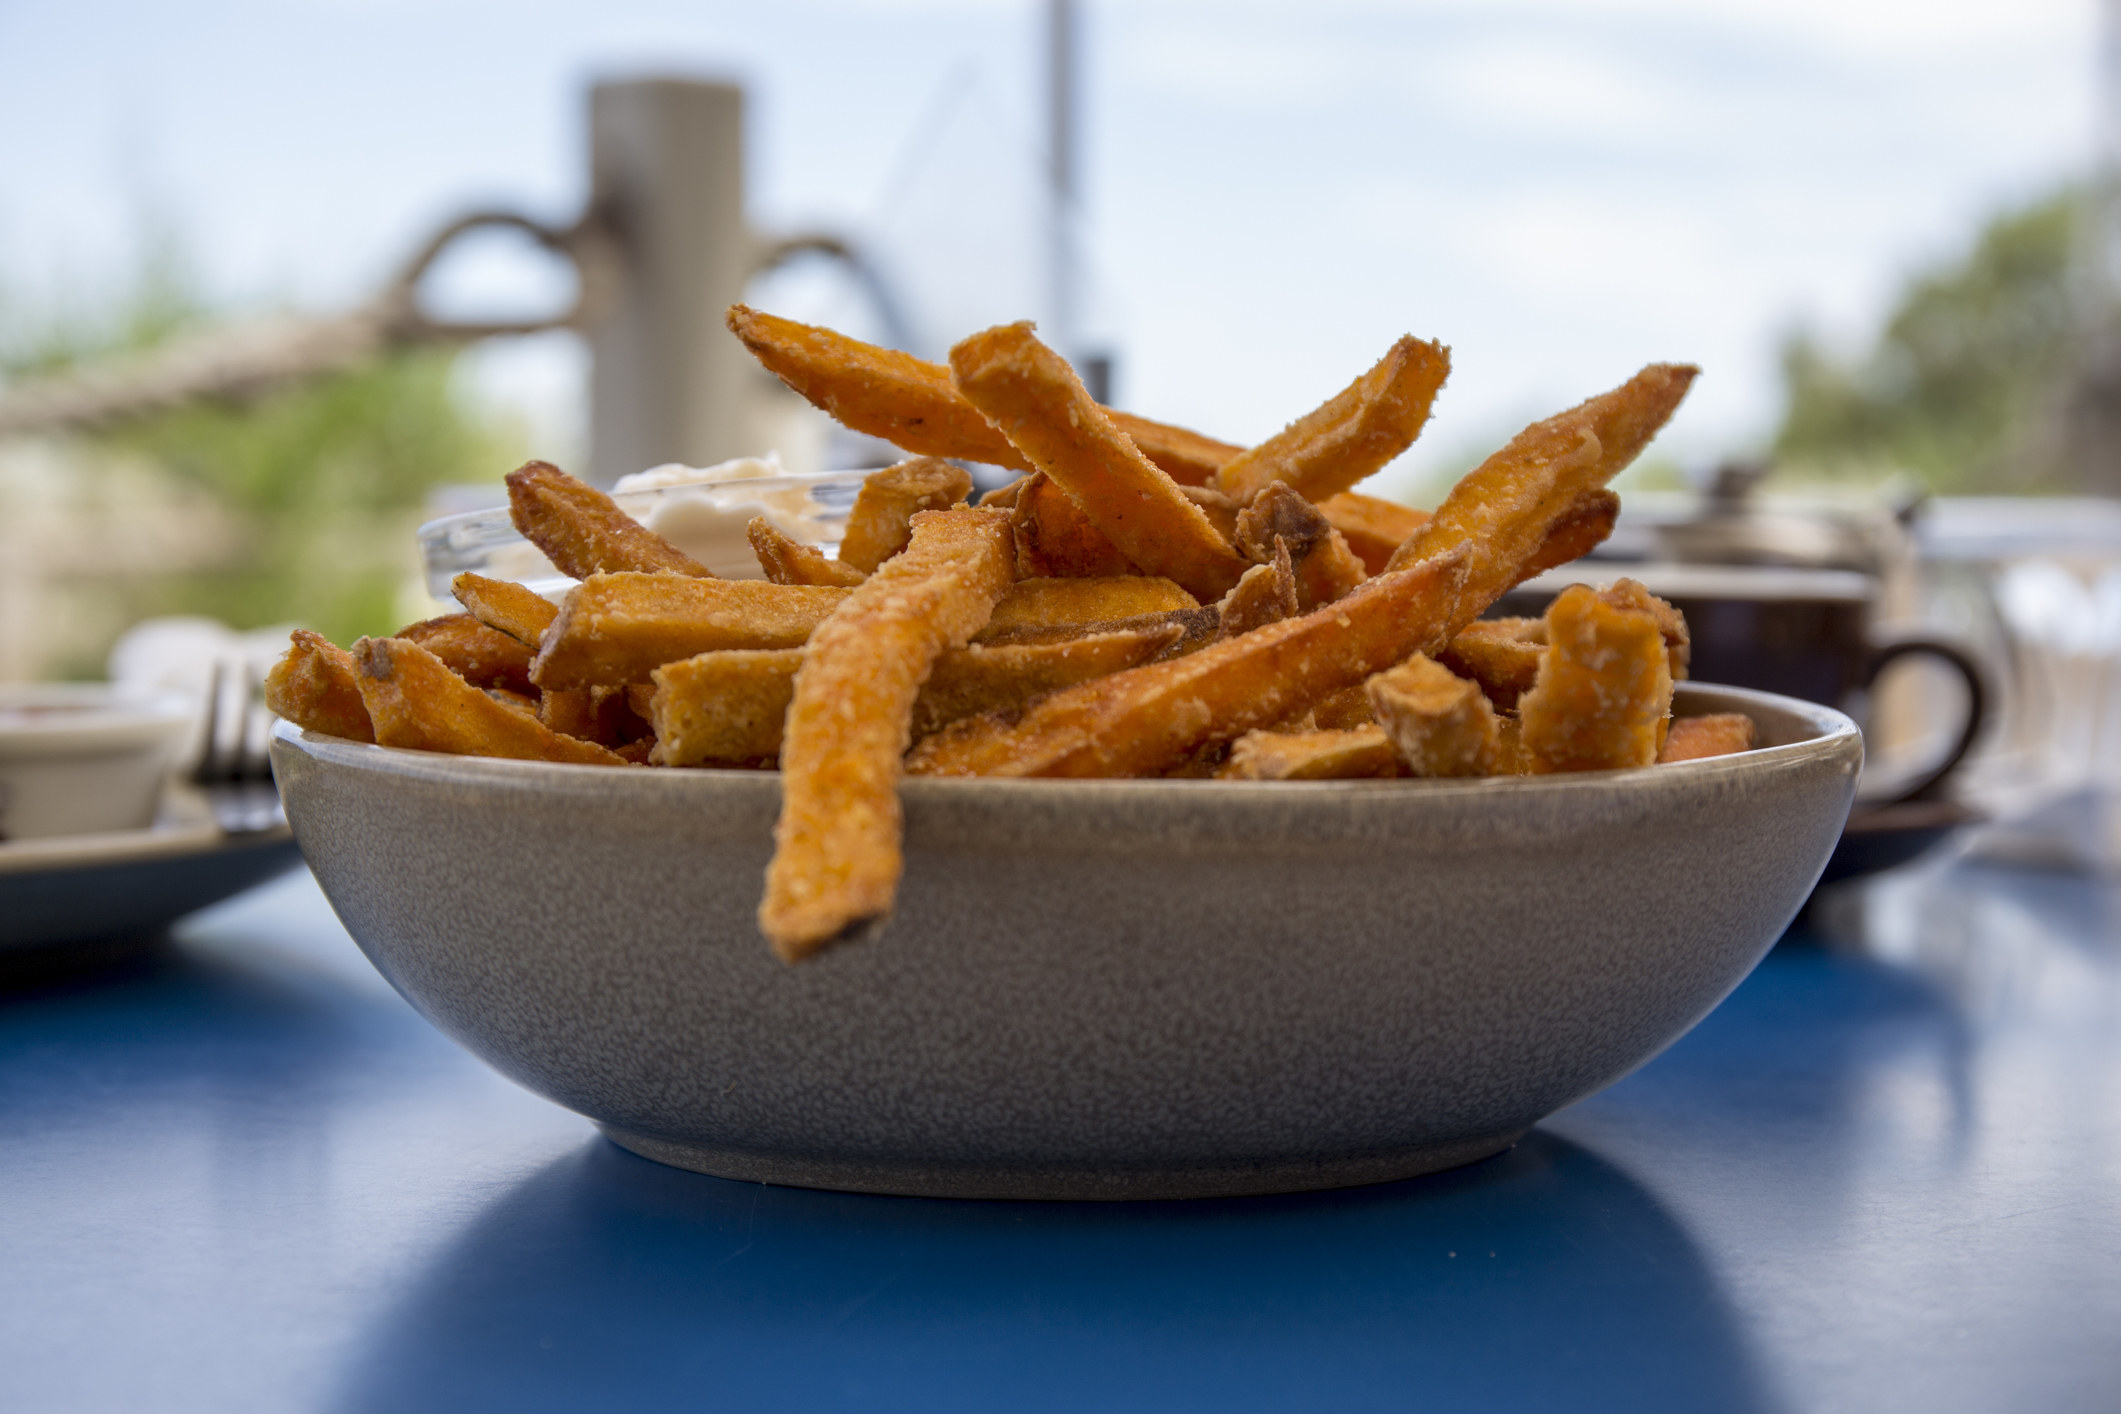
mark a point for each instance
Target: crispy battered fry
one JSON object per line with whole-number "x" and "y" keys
{"x": 879, "y": 524}
{"x": 1363, "y": 753}
{"x": 583, "y": 531}
{"x": 910, "y": 403}
{"x": 1373, "y": 527}
{"x": 1344, "y": 710}
{"x": 1678, "y": 643}
{"x": 1604, "y": 691}
{"x": 415, "y": 701}
{"x": 316, "y": 687}
{"x": 1078, "y": 605}
{"x": 1326, "y": 569}
{"x": 1186, "y": 457}
{"x": 837, "y": 849}
{"x": 604, "y": 715}
{"x": 1002, "y": 497}
{"x": 505, "y": 606}
{"x": 1504, "y": 509}
{"x": 482, "y": 656}
{"x": 1034, "y": 397}
{"x": 618, "y": 628}
{"x": 1718, "y": 734}
{"x": 1150, "y": 718}
{"x": 1055, "y": 539}
{"x": 1353, "y": 434}
{"x": 1582, "y": 528}
{"x": 1502, "y": 655}
{"x": 1006, "y": 677}
{"x": 1220, "y": 509}
{"x": 1266, "y": 595}
{"x": 787, "y": 560}
{"x": 1440, "y": 724}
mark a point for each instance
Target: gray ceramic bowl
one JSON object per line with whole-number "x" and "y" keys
{"x": 1099, "y": 989}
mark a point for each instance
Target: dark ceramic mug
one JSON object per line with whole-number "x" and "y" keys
{"x": 1803, "y": 633}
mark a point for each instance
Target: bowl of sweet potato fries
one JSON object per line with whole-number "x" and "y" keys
{"x": 1169, "y": 822}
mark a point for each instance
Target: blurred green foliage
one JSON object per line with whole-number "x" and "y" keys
{"x": 321, "y": 483}
{"x": 1962, "y": 386}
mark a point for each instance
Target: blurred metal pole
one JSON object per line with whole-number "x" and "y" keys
{"x": 667, "y": 182}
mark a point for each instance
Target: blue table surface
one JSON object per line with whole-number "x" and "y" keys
{"x": 242, "y": 1174}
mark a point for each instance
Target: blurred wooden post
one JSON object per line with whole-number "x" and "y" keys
{"x": 667, "y": 176}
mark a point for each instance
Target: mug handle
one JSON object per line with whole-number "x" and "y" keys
{"x": 1952, "y": 655}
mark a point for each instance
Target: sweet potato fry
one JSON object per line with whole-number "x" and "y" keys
{"x": 1502, "y": 655}
{"x": 1363, "y": 753}
{"x": 727, "y": 708}
{"x": 316, "y": 687}
{"x": 583, "y": 531}
{"x": 837, "y": 848}
{"x": 1034, "y": 397}
{"x": 618, "y": 628}
{"x": 787, "y": 560}
{"x": 910, "y": 403}
{"x": 1582, "y": 528}
{"x": 1343, "y": 711}
{"x": 1186, "y": 457}
{"x": 1079, "y": 604}
{"x": 603, "y": 715}
{"x": 1439, "y": 723}
{"x": 1604, "y": 690}
{"x": 1373, "y": 527}
{"x": 1504, "y": 509}
{"x": 1678, "y": 641}
{"x": 415, "y": 701}
{"x": 1325, "y": 568}
{"x": 1149, "y": 718}
{"x": 1054, "y": 539}
{"x": 482, "y": 656}
{"x": 880, "y": 523}
{"x": 1219, "y": 507}
{"x": 1353, "y": 434}
{"x": 505, "y": 606}
{"x": 1265, "y": 595}
{"x": 1718, "y": 734}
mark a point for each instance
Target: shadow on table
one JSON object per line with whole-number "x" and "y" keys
{"x": 1544, "y": 1278}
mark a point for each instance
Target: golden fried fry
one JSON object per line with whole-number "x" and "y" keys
{"x": 603, "y": 715}
{"x": 1220, "y": 508}
{"x": 1582, "y": 528}
{"x": 1368, "y": 423}
{"x": 1373, "y": 527}
{"x": 907, "y": 401}
{"x": 1034, "y": 397}
{"x": 910, "y": 402}
{"x": 521, "y": 702}
{"x": 1604, "y": 691}
{"x": 1439, "y": 723}
{"x": 1504, "y": 509}
{"x": 879, "y": 524}
{"x": 618, "y": 628}
{"x": 787, "y": 560}
{"x": 1266, "y": 595}
{"x": 1678, "y": 643}
{"x": 1325, "y": 568}
{"x": 1502, "y": 655}
{"x": 1150, "y": 718}
{"x": 1344, "y": 710}
{"x": 1361, "y": 754}
{"x": 1005, "y": 677}
{"x": 1054, "y": 539}
{"x": 724, "y": 708}
{"x": 1078, "y": 605}
{"x": 505, "y": 606}
{"x": 1003, "y": 498}
{"x": 1186, "y": 457}
{"x": 582, "y": 530}
{"x": 482, "y": 656}
{"x": 415, "y": 701}
{"x": 316, "y": 687}
{"x": 727, "y": 708}
{"x": 837, "y": 848}
{"x": 1719, "y": 734}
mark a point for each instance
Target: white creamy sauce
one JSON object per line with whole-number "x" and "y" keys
{"x": 704, "y": 510}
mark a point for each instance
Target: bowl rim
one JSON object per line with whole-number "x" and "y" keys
{"x": 1833, "y": 732}
{"x": 787, "y": 481}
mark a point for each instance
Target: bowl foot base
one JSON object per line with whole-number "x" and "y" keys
{"x": 911, "y": 1178}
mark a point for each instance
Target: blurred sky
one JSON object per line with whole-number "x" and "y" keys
{"x": 1559, "y": 190}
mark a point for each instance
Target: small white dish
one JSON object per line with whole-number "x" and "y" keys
{"x": 84, "y": 758}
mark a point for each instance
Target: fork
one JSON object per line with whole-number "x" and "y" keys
{"x": 234, "y": 771}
